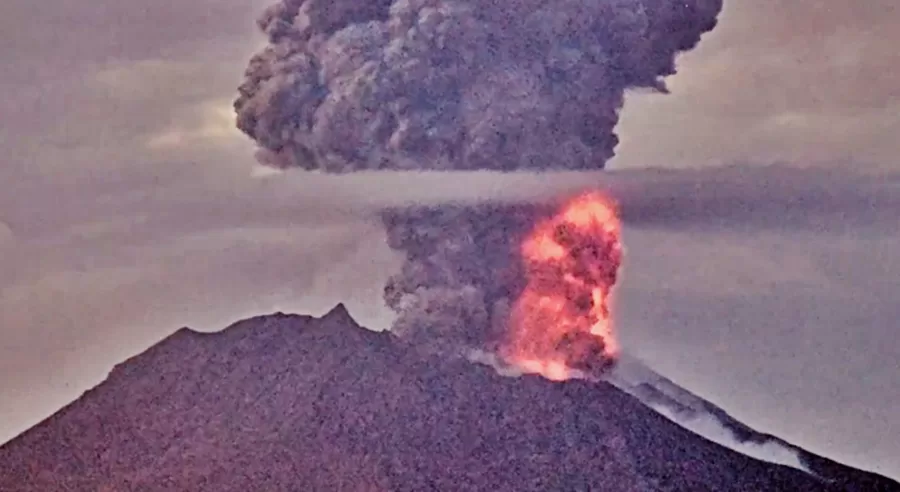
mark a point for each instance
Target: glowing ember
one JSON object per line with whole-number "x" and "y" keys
{"x": 560, "y": 326}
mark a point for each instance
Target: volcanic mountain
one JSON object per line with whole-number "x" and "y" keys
{"x": 298, "y": 403}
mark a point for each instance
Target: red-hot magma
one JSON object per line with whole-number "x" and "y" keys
{"x": 560, "y": 325}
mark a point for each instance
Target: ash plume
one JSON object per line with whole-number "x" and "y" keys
{"x": 528, "y": 282}
{"x": 461, "y": 272}
{"x": 473, "y": 85}
{"x": 345, "y": 85}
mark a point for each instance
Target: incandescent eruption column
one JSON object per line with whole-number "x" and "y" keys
{"x": 561, "y": 321}
{"x": 451, "y": 85}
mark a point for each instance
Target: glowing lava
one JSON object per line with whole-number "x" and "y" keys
{"x": 560, "y": 326}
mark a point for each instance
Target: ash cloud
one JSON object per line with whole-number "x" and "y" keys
{"x": 462, "y": 271}
{"x": 457, "y": 85}
{"x": 464, "y": 275}
{"x": 348, "y": 86}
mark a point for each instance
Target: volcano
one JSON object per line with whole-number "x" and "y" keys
{"x": 298, "y": 403}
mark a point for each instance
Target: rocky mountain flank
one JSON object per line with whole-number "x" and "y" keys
{"x": 298, "y": 403}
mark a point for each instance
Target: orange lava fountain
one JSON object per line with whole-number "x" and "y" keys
{"x": 560, "y": 326}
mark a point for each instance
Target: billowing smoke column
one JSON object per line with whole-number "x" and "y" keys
{"x": 350, "y": 85}
{"x": 463, "y": 269}
{"x": 530, "y": 282}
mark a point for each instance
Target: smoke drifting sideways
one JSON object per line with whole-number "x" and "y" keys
{"x": 529, "y": 283}
{"x": 349, "y": 85}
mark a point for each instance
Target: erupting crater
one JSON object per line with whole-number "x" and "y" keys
{"x": 560, "y": 326}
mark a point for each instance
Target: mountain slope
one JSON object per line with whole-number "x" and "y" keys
{"x": 704, "y": 418}
{"x": 287, "y": 402}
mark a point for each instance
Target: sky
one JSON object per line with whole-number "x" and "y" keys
{"x": 761, "y": 200}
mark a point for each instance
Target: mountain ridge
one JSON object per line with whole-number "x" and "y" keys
{"x": 288, "y": 402}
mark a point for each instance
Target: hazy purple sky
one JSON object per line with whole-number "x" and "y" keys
{"x": 129, "y": 207}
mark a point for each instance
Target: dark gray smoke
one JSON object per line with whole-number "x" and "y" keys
{"x": 350, "y": 85}
{"x": 462, "y": 271}
{"x": 465, "y": 275}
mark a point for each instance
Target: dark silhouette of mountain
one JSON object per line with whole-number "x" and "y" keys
{"x": 685, "y": 407}
{"x": 296, "y": 403}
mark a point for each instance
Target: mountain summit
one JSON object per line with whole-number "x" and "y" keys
{"x": 297, "y": 403}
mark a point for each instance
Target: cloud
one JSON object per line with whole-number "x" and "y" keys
{"x": 109, "y": 133}
{"x": 813, "y": 83}
{"x": 150, "y": 78}
{"x": 6, "y": 235}
{"x": 787, "y": 198}
{"x": 76, "y": 36}
{"x": 207, "y": 124}
{"x": 190, "y": 119}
